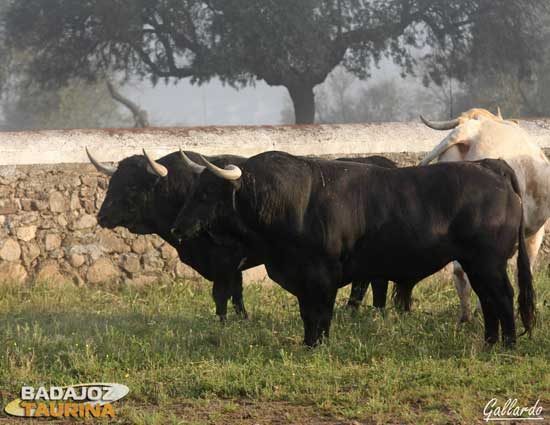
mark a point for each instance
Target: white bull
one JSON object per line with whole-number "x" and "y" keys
{"x": 478, "y": 134}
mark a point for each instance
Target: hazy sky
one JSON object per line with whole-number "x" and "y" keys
{"x": 213, "y": 103}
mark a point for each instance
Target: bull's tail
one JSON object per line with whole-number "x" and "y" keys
{"x": 526, "y": 297}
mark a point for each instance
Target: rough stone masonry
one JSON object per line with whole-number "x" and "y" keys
{"x": 49, "y": 231}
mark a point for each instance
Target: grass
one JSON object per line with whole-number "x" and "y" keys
{"x": 182, "y": 366}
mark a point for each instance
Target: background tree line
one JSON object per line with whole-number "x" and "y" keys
{"x": 58, "y": 55}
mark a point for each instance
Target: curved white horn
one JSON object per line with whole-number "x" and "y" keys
{"x": 447, "y": 143}
{"x": 231, "y": 172}
{"x": 105, "y": 169}
{"x": 154, "y": 167}
{"x": 196, "y": 168}
{"x": 498, "y": 113}
{"x": 441, "y": 125}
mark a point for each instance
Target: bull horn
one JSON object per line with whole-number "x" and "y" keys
{"x": 154, "y": 167}
{"x": 105, "y": 169}
{"x": 441, "y": 125}
{"x": 196, "y": 168}
{"x": 231, "y": 172}
{"x": 447, "y": 143}
{"x": 499, "y": 114}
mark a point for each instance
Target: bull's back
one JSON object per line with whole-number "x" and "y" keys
{"x": 431, "y": 215}
{"x": 418, "y": 217}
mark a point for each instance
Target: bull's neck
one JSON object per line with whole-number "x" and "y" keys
{"x": 162, "y": 223}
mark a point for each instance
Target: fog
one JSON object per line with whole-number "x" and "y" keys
{"x": 213, "y": 103}
{"x": 290, "y": 65}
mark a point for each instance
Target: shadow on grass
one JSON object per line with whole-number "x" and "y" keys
{"x": 355, "y": 336}
{"x": 165, "y": 342}
{"x": 166, "y": 321}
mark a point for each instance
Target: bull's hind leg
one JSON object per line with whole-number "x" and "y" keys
{"x": 533, "y": 244}
{"x": 379, "y": 292}
{"x": 237, "y": 294}
{"x": 492, "y": 286}
{"x": 358, "y": 291}
{"x": 504, "y": 295}
{"x": 464, "y": 290}
{"x": 490, "y": 317}
{"x": 402, "y": 294}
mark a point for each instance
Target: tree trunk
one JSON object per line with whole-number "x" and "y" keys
{"x": 303, "y": 100}
{"x": 140, "y": 116}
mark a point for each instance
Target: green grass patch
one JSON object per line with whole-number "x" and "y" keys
{"x": 183, "y": 366}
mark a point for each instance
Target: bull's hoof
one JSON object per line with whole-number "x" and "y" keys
{"x": 311, "y": 345}
{"x": 465, "y": 318}
{"x": 490, "y": 341}
{"x": 223, "y": 318}
{"x": 509, "y": 341}
{"x": 242, "y": 314}
{"x": 380, "y": 310}
{"x": 353, "y": 304}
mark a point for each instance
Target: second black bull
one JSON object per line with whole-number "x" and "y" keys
{"x": 145, "y": 196}
{"x": 322, "y": 224}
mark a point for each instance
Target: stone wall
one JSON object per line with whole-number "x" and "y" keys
{"x": 49, "y": 231}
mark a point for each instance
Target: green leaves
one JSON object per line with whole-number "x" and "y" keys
{"x": 285, "y": 42}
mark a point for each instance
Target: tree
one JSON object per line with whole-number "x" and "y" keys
{"x": 506, "y": 64}
{"x": 291, "y": 43}
{"x": 78, "y": 104}
{"x": 343, "y": 98}
{"x": 74, "y": 103}
{"x": 141, "y": 119}
{"x": 5, "y": 53}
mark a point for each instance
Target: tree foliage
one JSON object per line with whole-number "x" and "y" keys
{"x": 77, "y": 104}
{"x": 291, "y": 43}
{"x": 507, "y": 66}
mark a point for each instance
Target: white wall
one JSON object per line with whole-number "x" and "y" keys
{"x": 67, "y": 146}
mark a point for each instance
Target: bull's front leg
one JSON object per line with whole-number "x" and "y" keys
{"x": 221, "y": 292}
{"x": 533, "y": 244}
{"x": 316, "y": 310}
{"x": 358, "y": 291}
{"x": 464, "y": 291}
{"x": 237, "y": 295}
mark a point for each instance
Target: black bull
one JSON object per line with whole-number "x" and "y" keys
{"x": 325, "y": 223}
{"x": 146, "y": 203}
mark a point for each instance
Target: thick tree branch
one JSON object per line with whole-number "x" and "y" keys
{"x": 172, "y": 71}
{"x": 140, "y": 116}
